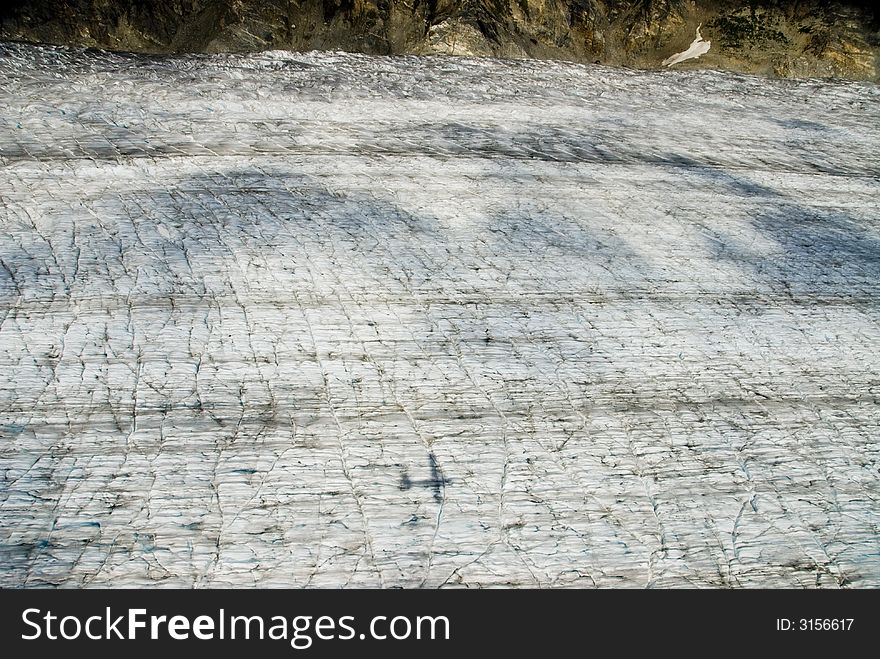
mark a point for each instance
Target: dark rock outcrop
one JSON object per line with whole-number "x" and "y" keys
{"x": 807, "y": 38}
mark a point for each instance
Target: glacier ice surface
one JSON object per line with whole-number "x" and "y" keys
{"x": 338, "y": 320}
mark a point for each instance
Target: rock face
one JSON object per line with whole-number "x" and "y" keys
{"x": 810, "y": 38}
{"x": 334, "y": 319}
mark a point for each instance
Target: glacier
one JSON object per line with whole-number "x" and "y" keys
{"x": 327, "y": 320}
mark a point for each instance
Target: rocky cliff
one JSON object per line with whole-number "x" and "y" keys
{"x": 791, "y": 39}
{"x": 809, "y": 38}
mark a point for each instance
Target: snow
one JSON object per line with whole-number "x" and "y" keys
{"x": 698, "y": 47}
{"x": 337, "y": 320}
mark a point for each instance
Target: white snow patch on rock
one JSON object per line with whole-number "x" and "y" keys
{"x": 698, "y": 47}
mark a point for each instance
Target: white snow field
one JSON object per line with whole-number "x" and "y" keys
{"x": 337, "y": 320}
